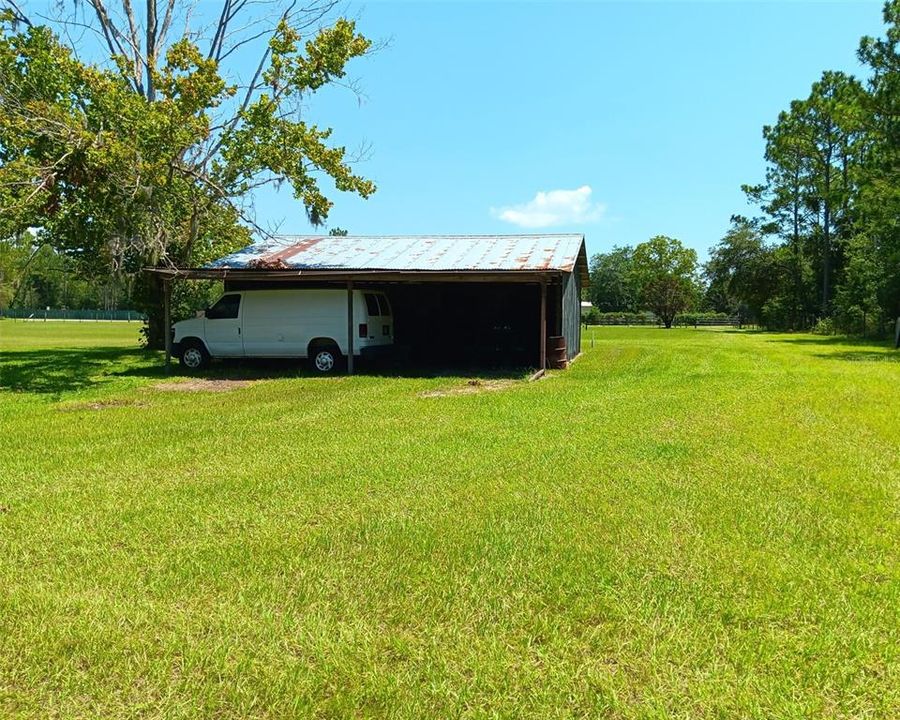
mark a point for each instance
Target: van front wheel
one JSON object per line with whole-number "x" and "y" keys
{"x": 194, "y": 355}
{"x": 324, "y": 360}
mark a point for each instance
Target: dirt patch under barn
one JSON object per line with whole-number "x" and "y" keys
{"x": 201, "y": 385}
{"x": 472, "y": 387}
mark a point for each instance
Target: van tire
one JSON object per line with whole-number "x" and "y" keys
{"x": 194, "y": 355}
{"x": 324, "y": 358}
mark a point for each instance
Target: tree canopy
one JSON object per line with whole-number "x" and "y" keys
{"x": 612, "y": 287}
{"x": 664, "y": 273}
{"x": 659, "y": 275}
{"x": 151, "y": 155}
{"x": 830, "y": 200}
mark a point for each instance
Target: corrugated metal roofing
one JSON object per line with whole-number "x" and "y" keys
{"x": 410, "y": 253}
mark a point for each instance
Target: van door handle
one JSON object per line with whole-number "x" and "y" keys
{"x": 239, "y": 331}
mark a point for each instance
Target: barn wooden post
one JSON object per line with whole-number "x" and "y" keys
{"x": 897, "y": 335}
{"x": 349, "y": 327}
{"x": 167, "y": 321}
{"x": 543, "y": 354}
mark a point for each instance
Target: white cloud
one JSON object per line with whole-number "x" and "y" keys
{"x": 556, "y": 207}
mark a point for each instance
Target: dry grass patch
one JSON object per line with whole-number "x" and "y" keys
{"x": 471, "y": 387}
{"x": 102, "y": 405}
{"x": 202, "y": 385}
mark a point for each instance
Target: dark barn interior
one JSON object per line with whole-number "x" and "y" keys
{"x": 473, "y": 324}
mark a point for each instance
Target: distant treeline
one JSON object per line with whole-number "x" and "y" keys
{"x": 824, "y": 250}
{"x": 593, "y": 316}
{"x": 37, "y": 276}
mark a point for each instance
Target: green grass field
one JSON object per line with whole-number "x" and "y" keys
{"x": 692, "y": 523}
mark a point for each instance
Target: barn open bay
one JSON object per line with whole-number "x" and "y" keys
{"x": 687, "y": 523}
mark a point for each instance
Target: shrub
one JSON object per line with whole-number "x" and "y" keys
{"x": 590, "y": 316}
{"x": 825, "y": 326}
{"x": 625, "y": 318}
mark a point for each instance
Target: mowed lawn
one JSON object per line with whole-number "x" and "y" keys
{"x": 692, "y": 523}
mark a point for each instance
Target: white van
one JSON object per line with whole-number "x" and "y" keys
{"x": 285, "y": 324}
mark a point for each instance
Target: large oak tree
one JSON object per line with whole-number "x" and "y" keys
{"x": 665, "y": 273}
{"x": 150, "y": 154}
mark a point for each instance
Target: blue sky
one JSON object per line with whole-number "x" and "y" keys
{"x": 657, "y": 108}
{"x": 618, "y": 120}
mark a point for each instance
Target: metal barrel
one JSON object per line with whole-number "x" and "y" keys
{"x": 557, "y": 356}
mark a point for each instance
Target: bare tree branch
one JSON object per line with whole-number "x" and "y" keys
{"x": 243, "y": 41}
{"x": 17, "y": 12}
{"x": 164, "y": 30}
{"x": 135, "y": 40}
{"x": 114, "y": 38}
{"x": 71, "y": 22}
{"x": 224, "y": 19}
{"x": 151, "y": 46}
{"x": 245, "y": 103}
{"x": 221, "y": 194}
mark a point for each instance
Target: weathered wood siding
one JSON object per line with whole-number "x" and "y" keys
{"x": 571, "y": 314}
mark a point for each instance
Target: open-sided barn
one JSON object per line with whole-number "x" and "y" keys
{"x": 501, "y": 299}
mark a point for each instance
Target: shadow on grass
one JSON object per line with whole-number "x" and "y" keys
{"x": 863, "y": 356}
{"x": 275, "y": 368}
{"x": 60, "y": 370}
{"x": 54, "y": 371}
{"x": 832, "y": 340}
{"x": 869, "y": 349}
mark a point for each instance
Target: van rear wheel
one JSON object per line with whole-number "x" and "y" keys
{"x": 324, "y": 359}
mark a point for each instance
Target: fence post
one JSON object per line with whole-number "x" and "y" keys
{"x": 897, "y": 335}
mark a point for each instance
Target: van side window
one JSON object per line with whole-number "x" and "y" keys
{"x": 385, "y": 306}
{"x": 225, "y": 309}
{"x": 371, "y": 304}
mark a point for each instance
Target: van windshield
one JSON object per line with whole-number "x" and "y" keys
{"x": 385, "y": 306}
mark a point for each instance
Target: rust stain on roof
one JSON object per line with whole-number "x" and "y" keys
{"x": 287, "y": 253}
{"x": 416, "y": 252}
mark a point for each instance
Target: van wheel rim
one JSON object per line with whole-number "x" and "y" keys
{"x": 192, "y": 358}
{"x": 324, "y": 361}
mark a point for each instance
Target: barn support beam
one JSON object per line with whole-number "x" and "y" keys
{"x": 543, "y": 334}
{"x": 349, "y": 327}
{"x": 167, "y": 321}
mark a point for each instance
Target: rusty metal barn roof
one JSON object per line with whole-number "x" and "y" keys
{"x": 410, "y": 253}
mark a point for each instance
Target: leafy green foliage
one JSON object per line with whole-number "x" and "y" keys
{"x": 658, "y": 275}
{"x": 857, "y": 298}
{"x": 119, "y": 171}
{"x": 266, "y": 141}
{"x": 612, "y": 285}
{"x": 742, "y": 272}
{"x": 15, "y": 255}
{"x": 664, "y": 273}
{"x": 831, "y": 195}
